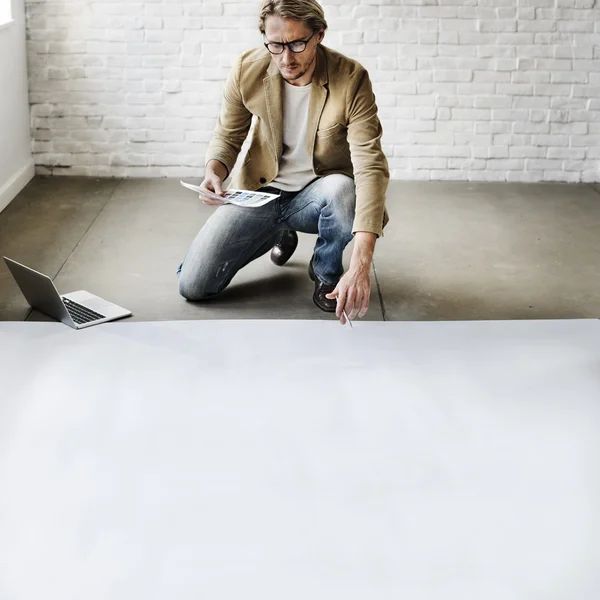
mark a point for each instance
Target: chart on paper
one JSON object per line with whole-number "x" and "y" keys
{"x": 238, "y": 197}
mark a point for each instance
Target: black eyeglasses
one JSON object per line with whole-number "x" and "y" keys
{"x": 295, "y": 46}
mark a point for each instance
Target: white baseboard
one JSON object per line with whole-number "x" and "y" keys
{"x": 15, "y": 184}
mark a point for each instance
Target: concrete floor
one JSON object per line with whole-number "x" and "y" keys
{"x": 452, "y": 251}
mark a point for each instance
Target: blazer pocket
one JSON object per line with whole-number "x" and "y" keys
{"x": 329, "y": 131}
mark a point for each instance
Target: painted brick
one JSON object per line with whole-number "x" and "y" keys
{"x": 466, "y": 89}
{"x": 550, "y": 140}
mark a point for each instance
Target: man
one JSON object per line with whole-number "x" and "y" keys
{"x": 316, "y": 143}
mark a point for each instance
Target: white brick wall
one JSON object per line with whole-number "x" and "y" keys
{"x": 498, "y": 90}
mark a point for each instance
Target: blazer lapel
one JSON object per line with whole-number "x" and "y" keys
{"x": 273, "y": 85}
{"x": 318, "y": 95}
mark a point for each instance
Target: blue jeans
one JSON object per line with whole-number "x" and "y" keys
{"x": 234, "y": 236}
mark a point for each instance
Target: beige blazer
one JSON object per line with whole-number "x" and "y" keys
{"x": 343, "y": 134}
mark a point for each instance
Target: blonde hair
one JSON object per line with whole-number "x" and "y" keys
{"x": 308, "y": 11}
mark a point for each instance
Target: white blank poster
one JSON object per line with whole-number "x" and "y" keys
{"x": 294, "y": 460}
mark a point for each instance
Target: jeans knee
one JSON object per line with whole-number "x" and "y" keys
{"x": 194, "y": 291}
{"x": 186, "y": 290}
{"x": 342, "y": 199}
{"x": 342, "y": 188}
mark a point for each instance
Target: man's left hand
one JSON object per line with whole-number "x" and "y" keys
{"x": 353, "y": 290}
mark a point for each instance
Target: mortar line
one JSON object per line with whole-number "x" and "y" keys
{"x": 379, "y": 292}
{"x": 89, "y": 227}
{"x": 80, "y": 239}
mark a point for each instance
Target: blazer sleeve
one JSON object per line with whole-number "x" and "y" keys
{"x": 233, "y": 122}
{"x": 370, "y": 166}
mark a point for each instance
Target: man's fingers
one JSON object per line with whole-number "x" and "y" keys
{"x": 341, "y": 303}
{"x": 338, "y": 294}
{"x": 353, "y": 303}
{"x": 211, "y": 202}
{"x": 365, "y": 307}
{"x": 218, "y": 189}
{"x": 361, "y": 304}
{"x": 333, "y": 294}
{"x": 350, "y": 301}
{"x": 213, "y": 185}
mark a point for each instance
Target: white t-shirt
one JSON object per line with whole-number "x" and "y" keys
{"x": 295, "y": 168}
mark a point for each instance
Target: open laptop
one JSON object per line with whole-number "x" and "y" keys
{"x": 77, "y": 309}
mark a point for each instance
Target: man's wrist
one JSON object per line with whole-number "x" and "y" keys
{"x": 217, "y": 168}
{"x": 364, "y": 247}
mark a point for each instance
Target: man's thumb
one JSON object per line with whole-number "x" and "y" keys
{"x": 217, "y": 186}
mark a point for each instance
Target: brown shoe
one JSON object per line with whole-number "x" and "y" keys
{"x": 321, "y": 290}
{"x": 284, "y": 248}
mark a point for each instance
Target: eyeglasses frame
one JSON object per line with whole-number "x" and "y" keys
{"x": 288, "y": 44}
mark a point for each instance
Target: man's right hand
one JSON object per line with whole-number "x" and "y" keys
{"x": 216, "y": 172}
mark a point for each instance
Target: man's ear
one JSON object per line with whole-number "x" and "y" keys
{"x": 320, "y": 35}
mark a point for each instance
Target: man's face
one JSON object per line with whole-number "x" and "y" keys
{"x": 292, "y": 66}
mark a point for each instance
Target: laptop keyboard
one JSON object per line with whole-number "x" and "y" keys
{"x": 80, "y": 314}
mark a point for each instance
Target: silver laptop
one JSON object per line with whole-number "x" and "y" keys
{"x": 77, "y": 309}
